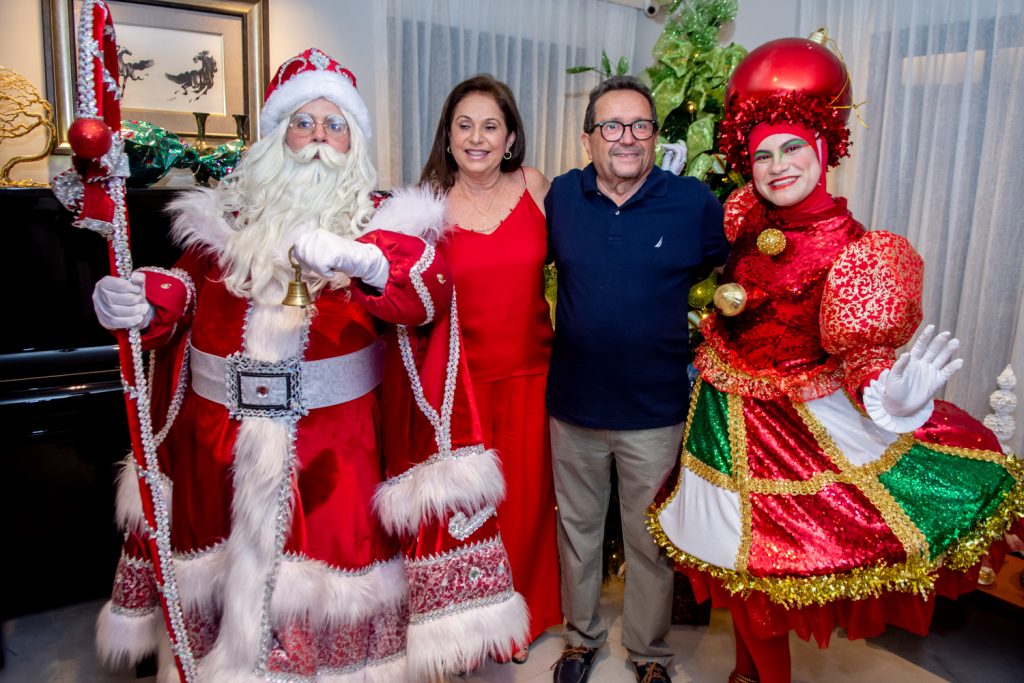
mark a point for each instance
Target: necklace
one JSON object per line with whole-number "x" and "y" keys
{"x": 486, "y": 212}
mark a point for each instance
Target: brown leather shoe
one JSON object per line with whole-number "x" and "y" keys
{"x": 574, "y": 664}
{"x": 651, "y": 672}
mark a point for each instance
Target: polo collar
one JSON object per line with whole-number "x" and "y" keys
{"x": 655, "y": 185}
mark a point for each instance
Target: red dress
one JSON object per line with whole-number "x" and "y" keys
{"x": 506, "y": 331}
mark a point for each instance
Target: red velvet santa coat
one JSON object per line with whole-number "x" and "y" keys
{"x": 345, "y": 532}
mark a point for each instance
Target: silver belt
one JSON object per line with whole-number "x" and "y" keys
{"x": 286, "y": 388}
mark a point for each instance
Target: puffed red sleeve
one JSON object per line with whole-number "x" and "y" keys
{"x": 742, "y": 209}
{"x": 419, "y": 284}
{"x": 871, "y": 305}
{"x": 172, "y": 293}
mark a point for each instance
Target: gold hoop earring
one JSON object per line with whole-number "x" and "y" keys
{"x": 449, "y": 148}
{"x": 507, "y": 155}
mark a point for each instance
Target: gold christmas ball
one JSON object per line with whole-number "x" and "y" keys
{"x": 771, "y": 242}
{"x": 731, "y": 299}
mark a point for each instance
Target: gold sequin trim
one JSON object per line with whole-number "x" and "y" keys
{"x": 741, "y": 477}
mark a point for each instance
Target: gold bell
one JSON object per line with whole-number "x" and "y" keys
{"x": 298, "y": 292}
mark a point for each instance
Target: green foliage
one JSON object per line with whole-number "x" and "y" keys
{"x": 688, "y": 80}
{"x": 605, "y": 70}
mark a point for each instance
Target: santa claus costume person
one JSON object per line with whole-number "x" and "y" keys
{"x": 332, "y": 512}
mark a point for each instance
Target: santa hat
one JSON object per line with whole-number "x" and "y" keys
{"x": 309, "y": 76}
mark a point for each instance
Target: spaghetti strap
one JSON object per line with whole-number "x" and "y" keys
{"x": 522, "y": 172}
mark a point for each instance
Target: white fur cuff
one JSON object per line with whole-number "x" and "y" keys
{"x": 125, "y": 640}
{"x": 439, "y": 486}
{"x": 463, "y": 640}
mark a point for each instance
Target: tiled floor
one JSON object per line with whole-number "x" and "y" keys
{"x": 974, "y": 640}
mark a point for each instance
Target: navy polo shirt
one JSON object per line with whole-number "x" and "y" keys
{"x": 624, "y": 272}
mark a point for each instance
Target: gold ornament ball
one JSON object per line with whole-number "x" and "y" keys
{"x": 771, "y": 242}
{"x": 731, "y": 299}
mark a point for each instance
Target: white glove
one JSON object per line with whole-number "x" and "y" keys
{"x": 674, "y": 159}
{"x": 900, "y": 400}
{"x": 121, "y": 304}
{"x": 325, "y": 253}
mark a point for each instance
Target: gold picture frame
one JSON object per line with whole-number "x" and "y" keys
{"x": 240, "y": 26}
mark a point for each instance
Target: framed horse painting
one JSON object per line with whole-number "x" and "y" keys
{"x": 176, "y": 58}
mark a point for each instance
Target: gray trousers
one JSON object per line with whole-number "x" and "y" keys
{"x": 582, "y": 460}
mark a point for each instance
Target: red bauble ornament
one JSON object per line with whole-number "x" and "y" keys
{"x": 90, "y": 138}
{"x": 791, "y": 64}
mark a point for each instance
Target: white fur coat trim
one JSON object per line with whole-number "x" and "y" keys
{"x": 461, "y": 641}
{"x": 415, "y": 210}
{"x": 262, "y": 451}
{"x": 389, "y": 671}
{"x": 128, "y": 502}
{"x": 124, "y": 640}
{"x": 199, "y": 221}
{"x": 436, "y": 488}
{"x": 326, "y": 596}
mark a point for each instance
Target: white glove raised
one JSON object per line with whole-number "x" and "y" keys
{"x": 325, "y": 253}
{"x": 674, "y": 159}
{"x": 121, "y": 304}
{"x": 900, "y": 399}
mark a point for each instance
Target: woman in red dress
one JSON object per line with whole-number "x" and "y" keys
{"x": 497, "y": 252}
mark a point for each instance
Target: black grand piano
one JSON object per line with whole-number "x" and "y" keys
{"x": 62, "y": 416}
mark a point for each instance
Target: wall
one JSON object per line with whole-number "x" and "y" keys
{"x": 342, "y": 28}
{"x": 346, "y": 29}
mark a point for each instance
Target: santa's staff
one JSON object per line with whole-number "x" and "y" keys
{"x": 95, "y": 190}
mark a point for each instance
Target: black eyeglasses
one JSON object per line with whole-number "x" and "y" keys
{"x": 612, "y": 131}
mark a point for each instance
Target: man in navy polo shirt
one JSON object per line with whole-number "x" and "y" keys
{"x": 627, "y": 239}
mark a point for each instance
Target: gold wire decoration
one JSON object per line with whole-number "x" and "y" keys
{"x": 22, "y": 110}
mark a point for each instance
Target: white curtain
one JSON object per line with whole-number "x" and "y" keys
{"x": 528, "y": 44}
{"x": 942, "y": 162}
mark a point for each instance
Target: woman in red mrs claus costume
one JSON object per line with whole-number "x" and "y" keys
{"x": 820, "y": 485}
{"x": 332, "y": 504}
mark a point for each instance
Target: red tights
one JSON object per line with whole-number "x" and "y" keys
{"x": 762, "y": 659}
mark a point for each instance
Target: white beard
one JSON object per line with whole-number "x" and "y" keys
{"x": 280, "y": 195}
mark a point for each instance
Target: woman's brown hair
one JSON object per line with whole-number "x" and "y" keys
{"x": 440, "y": 170}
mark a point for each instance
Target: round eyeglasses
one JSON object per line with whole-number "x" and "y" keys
{"x": 303, "y": 125}
{"x": 612, "y": 131}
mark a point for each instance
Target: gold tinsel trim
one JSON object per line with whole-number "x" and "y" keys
{"x": 913, "y": 576}
{"x": 969, "y": 550}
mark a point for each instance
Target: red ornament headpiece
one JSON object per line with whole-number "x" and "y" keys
{"x": 310, "y": 76}
{"x": 791, "y": 79}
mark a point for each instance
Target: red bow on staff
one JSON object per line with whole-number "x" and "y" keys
{"x": 95, "y": 190}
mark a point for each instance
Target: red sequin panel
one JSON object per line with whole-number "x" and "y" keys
{"x": 134, "y": 585}
{"x": 779, "y": 445}
{"x": 470, "y": 576}
{"x": 832, "y": 531}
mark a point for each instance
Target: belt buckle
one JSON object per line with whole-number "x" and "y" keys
{"x": 263, "y": 389}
